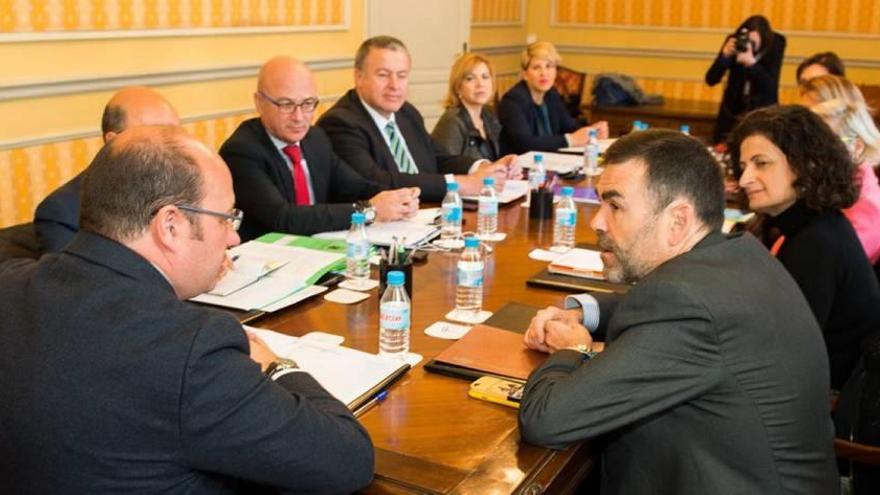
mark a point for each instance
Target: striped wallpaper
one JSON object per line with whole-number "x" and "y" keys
{"x": 497, "y": 12}
{"x": 839, "y": 16}
{"x": 37, "y": 16}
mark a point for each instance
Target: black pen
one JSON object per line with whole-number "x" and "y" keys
{"x": 380, "y": 397}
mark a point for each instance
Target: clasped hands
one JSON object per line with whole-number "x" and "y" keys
{"x": 553, "y": 329}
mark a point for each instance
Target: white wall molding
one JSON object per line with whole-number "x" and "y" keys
{"x": 40, "y": 89}
{"x": 94, "y": 132}
{"x": 705, "y": 30}
{"x": 707, "y": 55}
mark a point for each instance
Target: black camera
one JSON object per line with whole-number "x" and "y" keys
{"x": 742, "y": 40}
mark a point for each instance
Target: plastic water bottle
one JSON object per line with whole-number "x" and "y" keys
{"x": 565, "y": 221}
{"x": 450, "y": 217}
{"x": 537, "y": 173}
{"x": 487, "y": 212}
{"x": 357, "y": 261}
{"x": 469, "y": 290}
{"x": 685, "y": 129}
{"x": 394, "y": 313}
{"x": 591, "y": 153}
{"x": 637, "y": 126}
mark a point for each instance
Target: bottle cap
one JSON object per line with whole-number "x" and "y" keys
{"x": 452, "y": 186}
{"x": 357, "y": 217}
{"x": 395, "y": 278}
{"x": 594, "y": 133}
{"x": 471, "y": 242}
{"x": 488, "y": 181}
{"x": 568, "y": 191}
{"x": 539, "y": 157}
{"x": 685, "y": 128}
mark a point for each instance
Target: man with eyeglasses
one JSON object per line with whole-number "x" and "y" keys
{"x": 384, "y": 137}
{"x": 112, "y": 384}
{"x": 56, "y": 218}
{"x": 285, "y": 174}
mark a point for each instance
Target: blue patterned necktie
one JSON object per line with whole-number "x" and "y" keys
{"x": 404, "y": 164}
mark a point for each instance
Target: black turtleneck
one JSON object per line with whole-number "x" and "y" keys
{"x": 823, "y": 254}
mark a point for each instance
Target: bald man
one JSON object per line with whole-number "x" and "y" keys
{"x": 286, "y": 175}
{"x": 56, "y": 218}
{"x": 122, "y": 388}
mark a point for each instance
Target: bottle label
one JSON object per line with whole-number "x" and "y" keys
{"x": 471, "y": 276}
{"x": 566, "y": 217}
{"x": 394, "y": 316}
{"x": 451, "y": 213}
{"x": 358, "y": 250}
{"x": 488, "y": 206}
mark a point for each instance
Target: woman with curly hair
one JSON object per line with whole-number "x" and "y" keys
{"x": 843, "y": 107}
{"x": 798, "y": 175}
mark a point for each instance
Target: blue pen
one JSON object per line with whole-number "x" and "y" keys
{"x": 380, "y": 397}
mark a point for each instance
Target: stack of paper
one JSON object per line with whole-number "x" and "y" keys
{"x": 579, "y": 262}
{"x": 559, "y": 163}
{"x": 287, "y": 275}
{"x": 513, "y": 190}
{"x": 417, "y": 230}
{"x": 603, "y": 146}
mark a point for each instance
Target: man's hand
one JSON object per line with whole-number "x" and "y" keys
{"x": 561, "y": 335}
{"x": 260, "y": 352}
{"x": 536, "y": 337}
{"x": 601, "y": 129}
{"x": 397, "y": 204}
{"x": 470, "y": 185}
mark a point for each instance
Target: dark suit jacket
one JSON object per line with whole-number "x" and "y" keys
{"x": 263, "y": 184}
{"x": 457, "y": 134}
{"x": 763, "y": 78}
{"x": 56, "y": 218}
{"x": 519, "y": 121}
{"x": 359, "y": 142}
{"x": 714, "y": 380}
{"x": 111, "y": 384}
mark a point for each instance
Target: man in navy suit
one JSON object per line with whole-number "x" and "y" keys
{"x": 56, "y": 218}
{"x": 375, "y": 130}
{"x": 112, "y": 384}
{"x": 285, "y": 174}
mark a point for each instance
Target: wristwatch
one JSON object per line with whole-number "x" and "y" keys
{"x": 365, "y": 207}
{"x": 279, "y": 366}
{"x": 587, "y": 351}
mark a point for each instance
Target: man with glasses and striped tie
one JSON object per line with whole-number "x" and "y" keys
{"x": 384, "y": 138}
{"x": 285, "y": 174}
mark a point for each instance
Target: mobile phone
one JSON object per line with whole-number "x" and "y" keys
{"x": 498, "y": 390}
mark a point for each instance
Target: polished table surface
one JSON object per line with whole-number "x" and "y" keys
{"x": 430, "y": 437}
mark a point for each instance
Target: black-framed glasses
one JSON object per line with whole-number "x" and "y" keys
{"x": 234, "y": 217}
{"x": 289, "y": 106}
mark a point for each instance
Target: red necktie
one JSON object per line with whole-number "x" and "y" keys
{"x": 300, "y": 183}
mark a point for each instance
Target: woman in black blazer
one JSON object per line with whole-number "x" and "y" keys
{"x": 533, "y": 116}
{"x": 754, "y": 64}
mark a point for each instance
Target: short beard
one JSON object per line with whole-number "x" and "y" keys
{"x": 627, "y": 270}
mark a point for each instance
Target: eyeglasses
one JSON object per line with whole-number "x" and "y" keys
{"x": 289, "y": 106}
{"x": 234, "y": 217}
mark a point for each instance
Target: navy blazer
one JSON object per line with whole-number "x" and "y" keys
{"x": 112, "y": 384}
{"x": 56, "y": 218}
{"x": 519, "y": 121}
{"x": 264, "y": 191}
{"x": 359, "y": 142}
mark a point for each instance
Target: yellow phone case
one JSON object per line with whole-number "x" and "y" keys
{"x": 495, "y": 390}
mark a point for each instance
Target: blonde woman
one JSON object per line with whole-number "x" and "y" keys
{"x": 469, "y": 127}
{"x": 840, "y": 103}
{"x": 533, "y": 116}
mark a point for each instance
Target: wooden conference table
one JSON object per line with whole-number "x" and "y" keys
{"x": 430, "y": 437}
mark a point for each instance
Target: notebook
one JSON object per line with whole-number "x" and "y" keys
{"x": 579, "y": 262}
{"x": 485, "y": 351}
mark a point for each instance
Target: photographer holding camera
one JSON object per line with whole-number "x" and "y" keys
{"x": 753, "y": 55}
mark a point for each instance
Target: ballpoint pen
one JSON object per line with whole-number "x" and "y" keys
{"x": 380, "y": 397}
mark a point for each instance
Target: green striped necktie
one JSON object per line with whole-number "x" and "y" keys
{"x": 398, "y": 150}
